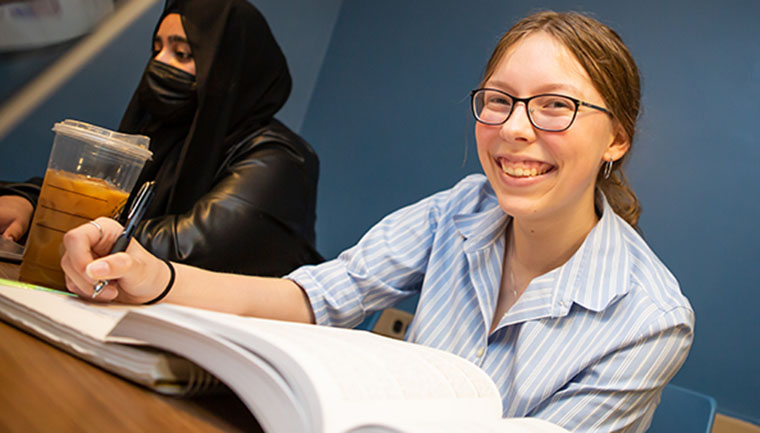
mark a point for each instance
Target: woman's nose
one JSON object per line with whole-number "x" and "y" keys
{"x": 518, "y": 125}
{"x": 164, "y": 56}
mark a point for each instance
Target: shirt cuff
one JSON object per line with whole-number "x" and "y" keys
{"x": 304, "y": 279}
{"x": 331, "y": 305}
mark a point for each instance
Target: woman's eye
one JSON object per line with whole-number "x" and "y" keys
{"x": 499, "y": 100}
{"x": 557, "y": 104}
{"x": 183, "y": 55}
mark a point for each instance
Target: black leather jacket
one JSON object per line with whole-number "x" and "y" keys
{"x": 30, "y": 189}
{"x": 257, "y": 219}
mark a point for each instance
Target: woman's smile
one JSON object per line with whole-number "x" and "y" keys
{"x": 522, "y": 168}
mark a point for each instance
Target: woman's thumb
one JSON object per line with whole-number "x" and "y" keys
{"x": 14, "y": 231}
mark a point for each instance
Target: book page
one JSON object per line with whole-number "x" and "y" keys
{"x": 470, "y": 425}
{"x": 258, "y": 384}
{"x": 56, "y": 307}
{"x": 347, "y": 375}
{"x": 78, "y": 327}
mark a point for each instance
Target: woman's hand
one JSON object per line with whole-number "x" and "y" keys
{"x": 135, "y": 276}
{"x": 15, "y": 216}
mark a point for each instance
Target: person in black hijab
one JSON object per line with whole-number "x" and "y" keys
{"x": 235, "y": 188}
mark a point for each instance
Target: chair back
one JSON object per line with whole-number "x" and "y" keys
{"x": 683, "y": 410}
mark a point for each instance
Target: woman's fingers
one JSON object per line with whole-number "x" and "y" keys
{"x": 141, "y": 273}
{"x": 110, "y": 267}
{"x": 110, "y": 231}
{"x": 73, "y": 287}
{"x": 109, "y": 270}
{"x": 14, "y": 231}
{"x": 108, "y": 294}
{"x": 15, "y": 216}
{"x": 132, "y": 276}
{"x": 82, "y": 245}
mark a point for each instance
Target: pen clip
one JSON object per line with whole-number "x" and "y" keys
{"x": 141, "y": 193}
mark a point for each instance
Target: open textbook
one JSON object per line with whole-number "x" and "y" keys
{"x": 307, "y": 378}
{"x": 80, "y": 328}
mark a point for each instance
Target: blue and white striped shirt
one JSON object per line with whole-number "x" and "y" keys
{"x": 588, "y": 346}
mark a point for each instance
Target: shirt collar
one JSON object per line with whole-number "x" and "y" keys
{"x": 594, "y": 277}
{"x": 482, "y": 227}
{"x": 597, "y": 274}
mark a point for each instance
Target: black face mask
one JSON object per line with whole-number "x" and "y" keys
{"x": 168, "y": 93}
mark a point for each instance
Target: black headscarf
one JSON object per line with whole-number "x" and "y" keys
{"x": 242, "y": 81}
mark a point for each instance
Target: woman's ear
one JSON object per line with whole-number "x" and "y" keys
{"x": 619, "y": 145}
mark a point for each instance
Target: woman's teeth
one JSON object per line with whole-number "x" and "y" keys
{"x": 520, "y": 172}
{"x": 523, "y": 171}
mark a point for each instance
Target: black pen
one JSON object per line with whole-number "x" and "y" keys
{"x": 135, "y": 215}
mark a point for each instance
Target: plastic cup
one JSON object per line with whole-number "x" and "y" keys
{"x": 90, "y": 173}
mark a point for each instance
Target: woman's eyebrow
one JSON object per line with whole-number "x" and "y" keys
{"x": 176, "y": 38}
{"x": 545, "y": 88}
{"x": 560, "y": 87}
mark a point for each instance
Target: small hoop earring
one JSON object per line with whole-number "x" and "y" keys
{"x": 607, "y": 169}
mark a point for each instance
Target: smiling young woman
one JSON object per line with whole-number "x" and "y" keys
{"x": 616, "y": 79}
{"x": 552, "y": 210}
{"x": 533, "y": 272}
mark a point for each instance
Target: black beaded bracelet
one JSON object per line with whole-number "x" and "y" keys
{"x": 168, "y": 286}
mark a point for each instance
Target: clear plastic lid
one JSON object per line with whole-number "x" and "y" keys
{"x": 130, "y": 144}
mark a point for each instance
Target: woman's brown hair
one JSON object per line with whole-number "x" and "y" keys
{"x": 613, "y": 72}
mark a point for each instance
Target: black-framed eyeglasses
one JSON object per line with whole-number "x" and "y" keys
{"x": 547, "y": 112}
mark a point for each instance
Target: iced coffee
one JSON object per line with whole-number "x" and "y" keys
{"x": 90, "y": 174}
{"x": 66, "y": 201}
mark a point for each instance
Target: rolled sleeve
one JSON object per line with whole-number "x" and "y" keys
{"x": 334, "y": 300}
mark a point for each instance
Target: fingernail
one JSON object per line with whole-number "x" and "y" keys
{"x": 97, "y": 269}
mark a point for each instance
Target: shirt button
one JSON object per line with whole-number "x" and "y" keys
{"x": 480, "y": 352}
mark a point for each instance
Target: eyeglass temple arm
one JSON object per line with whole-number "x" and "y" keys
{"x": 596, "y": 107}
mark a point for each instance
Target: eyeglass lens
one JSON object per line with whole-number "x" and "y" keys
{"x": 548, "y": 112}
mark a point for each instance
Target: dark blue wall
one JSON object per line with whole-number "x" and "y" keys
{"x": 389, "y": 117}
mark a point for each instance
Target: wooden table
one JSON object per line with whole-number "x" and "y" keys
{"x": 43, "y": 389}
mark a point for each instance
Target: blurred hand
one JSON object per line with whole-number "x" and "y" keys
{"x": 15, "y": 216}
{"x": 135, "y": 276}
